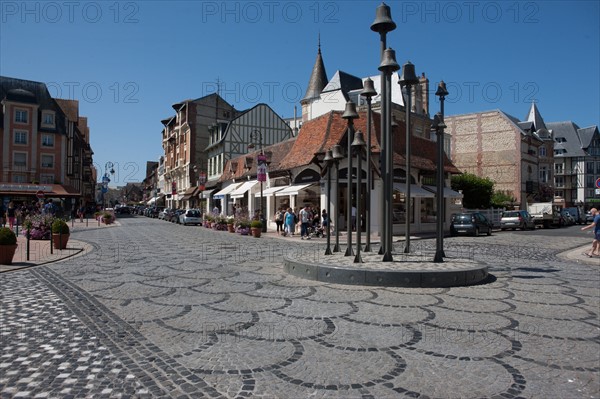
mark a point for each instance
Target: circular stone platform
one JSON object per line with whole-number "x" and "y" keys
{"x": 406, "y": 270}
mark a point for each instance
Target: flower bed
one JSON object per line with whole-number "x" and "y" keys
{"x": 39, "y": 227}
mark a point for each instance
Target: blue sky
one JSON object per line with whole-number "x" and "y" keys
{"x": 128, "y": 61}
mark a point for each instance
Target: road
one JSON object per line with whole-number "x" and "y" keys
{"x": 161, "y": 310}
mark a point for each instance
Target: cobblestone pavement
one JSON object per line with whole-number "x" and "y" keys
{"x": 161, "y": 310}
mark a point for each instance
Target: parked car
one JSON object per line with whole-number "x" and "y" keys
{"x": 567, "y": 218}
{"x": 516, "y": 220}
{"x": 174, "y": 216}
{"x": 190, "y": 216}
{"x": 588, "y": 217}
{"x": 164, "y": 213}
{"x": 472, "y": 223}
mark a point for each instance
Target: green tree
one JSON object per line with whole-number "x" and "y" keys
{"x": 477, "y": 191}
{"x": 503, "y": 199}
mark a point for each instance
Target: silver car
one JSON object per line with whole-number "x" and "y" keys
{"x": 516, "y": 220}
{"x": 190, "y": 216}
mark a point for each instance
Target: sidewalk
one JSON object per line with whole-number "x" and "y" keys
{"x": 40, "y": 252}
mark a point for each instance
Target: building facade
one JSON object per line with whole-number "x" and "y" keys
{"x": 576, "y": 163}
{"x": 516, "y": 155}
{"x": 45, "y": 146}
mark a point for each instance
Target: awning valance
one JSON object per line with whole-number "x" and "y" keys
{"x": 227, "y": 190}
{"x": 415, "y": 191}
{"x": 243, "y": 188}
{"x": 270, "y": 191}
{"x": 206, "y": 193}
{"x": 292, "y": 190}
{"x": 448, "y": 192}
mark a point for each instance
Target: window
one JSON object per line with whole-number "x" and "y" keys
{"x": 20, "y": 137}
{"x": 543, "y": 174}
{"x": 17, "y": 178}
{"x": 46, "y": 179}
{"x": 20, "y": 159}
{"x": 47, "y": 140}
{"x": 48, "y": 118}
{"x": 542, "y": 151}
{"x": 21, "y": 115}
{"x": 558, "y": 168}
{"x": 561, "y": 140}
{"x": 47, "y": 161}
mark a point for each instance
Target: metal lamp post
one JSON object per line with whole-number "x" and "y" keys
{"x": 358, "y": 144}
{"x": 383, "y": 24}
{"x": 441, "y": 92}
{"x": 329, "y": 160}
{"x": 349, "y": 114}
{"x": 336, "y": 153}
{"x": 368, "y": 92}
{"x": 261, "y": 173}
{"x": 439, "y": 126}
{"x": 407, "y": 80}
{"x": 388, "y": 66}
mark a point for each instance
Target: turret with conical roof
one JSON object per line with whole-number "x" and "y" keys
{"x": 536, "y": 118}
{"x": 316, "y": 84}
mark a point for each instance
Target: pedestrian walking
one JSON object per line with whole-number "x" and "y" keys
{"x": 290, "y": 220}
{"x": 304, "y": 221}
{"x": 279, "y": 220}
{"x": 595, "y": 251}
{"x": 11, "y": 214}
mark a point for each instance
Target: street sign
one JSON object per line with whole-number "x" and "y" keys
{"x": 40, "y": 194}
{"x": 598, "y": 182}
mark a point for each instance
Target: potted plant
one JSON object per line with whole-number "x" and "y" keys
{"x": 230, "y": 225}
{"x": 60, "y": 234}
{"x": 256, "y": 228}
{"x": 8, "y": 245}
{"x": 107, "y": 218}
{"x": 208, "y": 219}
{"x": 242, "y": 226}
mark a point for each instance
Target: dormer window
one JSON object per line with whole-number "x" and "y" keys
{"x": 21, "y": 116}
{"x": 48, "y": 119}
{"x": 561, "y": 140}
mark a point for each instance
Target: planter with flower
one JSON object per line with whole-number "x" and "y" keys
{"x": 108, "y": 218}
{"x": 208, "y": 220}
{"x": 97, "y": 215}
{"x": 60, "y": 234}
{"x": 242, "y": 226}
{"x": 256, "y": 228}
{"x": 230, "y": 225}
{"x": 39, "y": 227}
{"x": 220, "y": 223}
{"x": 8, "y": 246}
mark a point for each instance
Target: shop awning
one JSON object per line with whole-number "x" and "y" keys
{"x": 189, "y": 193}
{"x": 241, "y": 190}
{"x": 227, "y": 190}
{"x": 448, "y": 192}
{"x": 49, "y": 190}
{"x": 292, "y": 190}
{"x": 415, "y": 191}
{"x": 206, "y": 193}
{"x": 270, "y": 191}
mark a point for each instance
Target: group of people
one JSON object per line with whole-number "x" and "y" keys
{"x": 308, "y": 218}
{"x": 595, "y": 251}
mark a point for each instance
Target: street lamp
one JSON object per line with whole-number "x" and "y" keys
{"x": 407, "y": 80}
{"x": 388, "y": 66}
{"x": 383, "y": 24}
{"x": 329, "y": 162}
{"x": 368, "y": 92}
{"x": 261, "y": 172}
{"x": 439, "y": 127}
{"x": 349, "y": 114}
{"x": 358, "y": 144}
{"x": 108, "y": 168}
{"x": 336, "y": 153}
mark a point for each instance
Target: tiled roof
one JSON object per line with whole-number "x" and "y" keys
{"x": 322, "y": 133}
{"x": 70, "y": 108}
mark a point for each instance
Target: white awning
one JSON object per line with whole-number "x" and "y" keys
{"x": 292, "y": 190}
{"x": 242, "y": 189}
{"x": 270, "y": 191}
{"x": 206, "y": 193}
{"x": 415, "y": 191}
{"x": 226, "y": 190}
{"x": 448, "y": 192}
